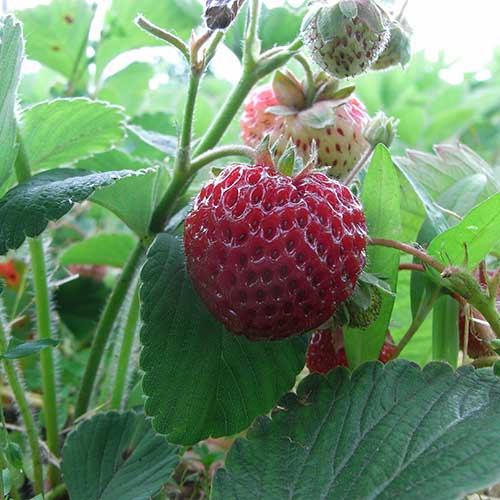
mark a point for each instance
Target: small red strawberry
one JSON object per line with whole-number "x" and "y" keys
{"x": 334, "y": 120}
{"x": 271, "y": 255}
{"x": 345, "y": 37}
{"x": 326, "y": 351}
{"x": 10, "y": 274}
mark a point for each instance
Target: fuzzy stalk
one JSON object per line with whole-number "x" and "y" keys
{"x": 25, "y": 411}
{"x": 221, "y": 152}
{"x": 104, "y": 328}
{"x": 125, "y": 352}
{"x": 43, "y": 321}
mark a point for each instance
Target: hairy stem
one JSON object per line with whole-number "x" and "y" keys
{"x": 419, "y": 268}
{"x": 125, "y": 352}
{"x": 359, "y": 166}
{"x": 104, "y": 328}
{"x": 25, "y": 411}
{"x": 43, "y": 321}
{"x": 157, "y": 32}
{"x": 251, "y": 47}
{"x": 221, "y": 152}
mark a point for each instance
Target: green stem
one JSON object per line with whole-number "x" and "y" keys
{"x": 125, "y": 352}
{"x": 359, "y": 166}
{"x": 104, "y": 328}
{"x": 221, "y": 152}
{"x": 25, "y": 411}
{"x": 225, "y": 116}
{"x": 56, "y": 493}
{"x": 43, "y": 321}
{"x": 251, "y": 48}
{"x": 490, "y": 313}
{"x": 157, "y": 32}
{"x": 311, "y": 87}
{"x": 445, "y": 335}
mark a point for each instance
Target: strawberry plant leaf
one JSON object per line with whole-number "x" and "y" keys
{"x": 384, "y": 432}
{"x": 56, "y": 33}
{"x": 18, "y": 349}
{"x": 62, "y": 131}
{"x": 227, "y": 380}
{"x": 11, "y": 55}
{"x": 135, "y": 199}
{"x": 381, "y": 202}
{"x": 27, "y": 208}
{"x": 117, "y": 455}
{"x": 100, "y": 250}
{"x": 477, "y": 232}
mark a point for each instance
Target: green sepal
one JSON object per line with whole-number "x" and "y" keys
{"x": 281, "y": 111}
{"x": 288, "y": 90}
{"x": 376, "y": 281}
{"x": 285, "y": 164}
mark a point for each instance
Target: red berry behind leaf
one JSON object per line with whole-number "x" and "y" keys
{"x": 10, "y": 274}
{"x": 270, "y": 255}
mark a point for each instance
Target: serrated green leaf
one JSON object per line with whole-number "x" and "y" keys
{"x": 135, "y": 199}
{"x": 18, "y": 349}
{"x": 381, "y": 202}
{"x": 11, "y": 55}
{"x": 56, "y": 33}
{"x": 478, "y": 232}
{"x": 63, "y": 131}
{"x": 231, "y": 380}
{"x": 120, "y": 34}
{"x": 26, "y": 209}
{"x": 387, "y": 432}
{"x": 116, "y": 456}
{"x": 100, "y": 250}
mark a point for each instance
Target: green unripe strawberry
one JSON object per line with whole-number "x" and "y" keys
{"x": 363, "y": 314}
{"x": 398, "y": 50}
{"x": 346, "y": 37}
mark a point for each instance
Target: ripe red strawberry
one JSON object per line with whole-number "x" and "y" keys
{"x": 346, "y": 37}
{"x": 270, "y": 255}
{"x": 10, "y": 274}
{"x": 335, "y": 121}
{"x": 326, "y": 351}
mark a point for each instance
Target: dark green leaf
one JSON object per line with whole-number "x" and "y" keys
{"x": 26, "y": 209}
{"x": 62, "y": 131}
{"x": 11, "y": 55}
{"x": 100, "y": 250}
{"x": 228, "y": 380}
{"x": 56, "y": 33}
{"x": 79, "y": 304}
{"x": 116, "y": 456}
{"x": 18, "y": 349}
{"x": 387, "y": 432}
{"x": 381, "y": 202}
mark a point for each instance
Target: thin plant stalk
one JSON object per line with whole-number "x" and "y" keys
{"x": 43, "y": 321}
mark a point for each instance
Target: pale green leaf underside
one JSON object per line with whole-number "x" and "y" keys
{"x": 26, "y": 209}
{"x": 116, "y": 456}
{"x": 63, "y": 131}
{"x": 228, "y": 379}
{"x": 135, "y": 199}
{"x": 385, "y": 432}
{"x": 100, "y": 250}
{"x": 11, "y": 54}
{"x": 472, "y": 239}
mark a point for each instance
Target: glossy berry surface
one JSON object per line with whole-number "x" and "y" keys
{"x": 270, "y": 255}
{"x": 10, "y": 274}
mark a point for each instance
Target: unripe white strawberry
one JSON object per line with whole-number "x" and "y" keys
{"x": 346, "y": 37}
